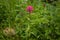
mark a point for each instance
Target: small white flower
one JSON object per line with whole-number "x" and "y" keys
{"x": 9, "y": 31}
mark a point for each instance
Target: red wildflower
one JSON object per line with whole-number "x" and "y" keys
{"x": 29, "y": 9}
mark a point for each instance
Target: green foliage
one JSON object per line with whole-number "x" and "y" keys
{"x": 42, "y": 24}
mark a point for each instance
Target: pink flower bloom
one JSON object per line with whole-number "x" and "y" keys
{"x": 29, "y": 9}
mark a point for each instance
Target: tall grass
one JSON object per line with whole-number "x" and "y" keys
{"x": 42, "y": 24}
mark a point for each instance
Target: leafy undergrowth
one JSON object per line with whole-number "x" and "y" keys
{"x": 18, "y": 24}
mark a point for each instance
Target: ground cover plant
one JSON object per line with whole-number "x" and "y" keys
{"x": 29, "y": 20}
